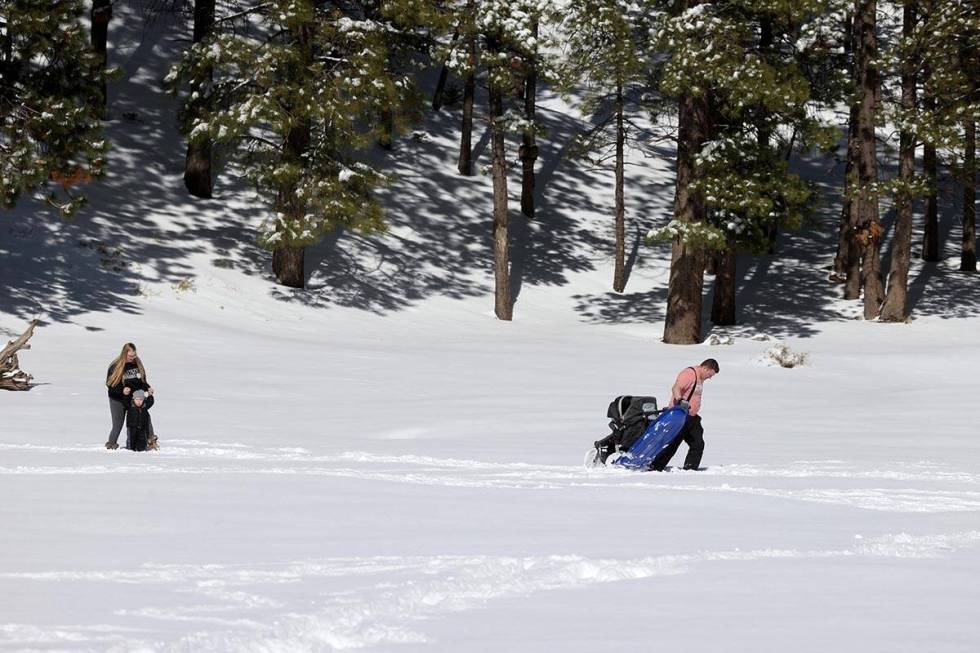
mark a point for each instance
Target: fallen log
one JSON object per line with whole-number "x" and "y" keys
{"x": 11, "y": 376}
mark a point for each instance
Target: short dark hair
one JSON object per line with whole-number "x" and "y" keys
{"x": 711, "y": 363}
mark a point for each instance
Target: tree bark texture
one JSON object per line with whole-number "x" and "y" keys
{"x": 503, "y": 306}
{"x": 437, "y": 95}
{"x": 529, "y": 147}
{"x": 847, "y": 266}
{"x": 864, "y": 214}
{"x": 683, "y": 321}
{"x": 968, "y": 253}
{"x": 465, "y": 165}
{"x": 619, "y": 274}
{"x": 844, "y": 255}
{"x": 198, "y": 178}
{"x": 11, "y": 376}
{"x": 101, "y": 15}
{"x": 895, "y": 306}
{"x": 288, "y": 263}
{"x": 723, "y": 302}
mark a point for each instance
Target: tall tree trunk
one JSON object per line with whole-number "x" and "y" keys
{"x": 288, "y": 264}
{"x": 930, "y": 169}
{"x": 387, "y": 138}
{"x": 968, "y": 254}
{"x": 503, "y": 307}
{"x": 465, "y": 165}
{"x": 682, "y": 325}
{"x": 197, "y": 165}
{"x": 529, "y": 148}
{"x": 619, "y": 275}
{"x": 847, "y": 265}
{"x": 723, "y": 302}
{"x": 288, "y": 257}
{"x": 895, "y": 307}
{"x": 437, "y": 95}
{"x": 865, "y": 219}
{"x": 844, "y": 257}
{"x": 101, "y": 15}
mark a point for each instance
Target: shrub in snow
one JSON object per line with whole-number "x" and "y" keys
{"x": 783, "y": 356}
{"x": 714, "y": 339}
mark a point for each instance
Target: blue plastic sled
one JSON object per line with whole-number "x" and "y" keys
{"x": 659, "y": 434}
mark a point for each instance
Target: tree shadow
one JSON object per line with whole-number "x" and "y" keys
{"x": 142, "y": 228}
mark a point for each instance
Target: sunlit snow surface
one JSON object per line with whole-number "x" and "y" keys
{"x": 377, "y": 464}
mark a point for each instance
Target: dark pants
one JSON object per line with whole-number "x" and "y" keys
{"x": 118, "y": 411}
{"x": 693, "y": 435}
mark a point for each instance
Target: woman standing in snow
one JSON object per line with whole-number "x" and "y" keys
{"x": 126, "y": 375}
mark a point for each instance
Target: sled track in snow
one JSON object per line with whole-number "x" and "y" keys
{"x": 381, "y": 600}
{"x": 923, "y": 487}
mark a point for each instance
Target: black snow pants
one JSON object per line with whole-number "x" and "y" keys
{"x": 693, "y": 435}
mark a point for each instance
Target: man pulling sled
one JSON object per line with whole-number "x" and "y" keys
{"x": 644, "y": 437}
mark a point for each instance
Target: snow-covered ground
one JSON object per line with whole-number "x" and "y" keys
{"x": 378, "y": 464}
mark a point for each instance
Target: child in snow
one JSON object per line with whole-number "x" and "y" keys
{"x": 138, "y": 436}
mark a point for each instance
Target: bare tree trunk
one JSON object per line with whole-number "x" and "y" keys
{"x": 968, "y": 254}
{"x": 465, "y": 165}
{"x": 101, "y": 15}
{"x": 503, "y": 306}
{"x": 197, "y": 166}
{"x": 847, "y": 266}
{"x": 11, "y": 376}
{"x": 844, "y": 256}
{"x": 865, "y": 220}
{"x": 683, "y": 321}
{"x": 529, "y": 148}
{"x": 723, "y": 302}
{"x": 619, "y": 275}
{"x": 288, "y": 264}
{"x": 387, "y": 138}
{"x": 895, "y": 307}
{"x": 930, "y": 168}
{"x": 437, "y": 95}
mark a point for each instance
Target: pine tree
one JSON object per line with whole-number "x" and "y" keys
{"x": 864, "y": 222}
{"x": 504, "y": 32}
{"x": 950, "y": 40}
{"x": 50, "y": 82}
{"x": 528, "y": 152}
{"x": 100, "y": 17}
{"x": 968, "y": 42}
{"x": 295, "y": 102}
{"x": 606, "y": 55}
{"x": 736, "y": 93}
{"x": 895, "y": 306}
{"x": 198, "y": 177}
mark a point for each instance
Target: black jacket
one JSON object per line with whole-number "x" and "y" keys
{"x": 137, "y": 422}
{"x": 131, "y": 379}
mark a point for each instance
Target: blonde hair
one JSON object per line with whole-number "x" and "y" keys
{"x": 119, "y": 366}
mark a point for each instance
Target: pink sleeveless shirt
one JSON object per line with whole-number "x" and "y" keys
{"x": 686, "y": 379}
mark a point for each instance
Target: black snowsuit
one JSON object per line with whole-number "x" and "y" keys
{"x": 138, "y": 423}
